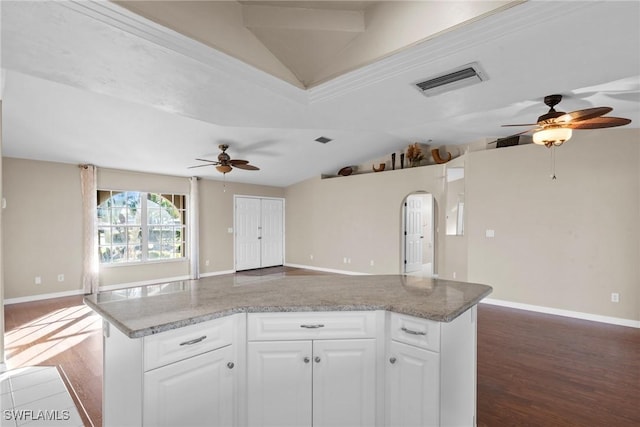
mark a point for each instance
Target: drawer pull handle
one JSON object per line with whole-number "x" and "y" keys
{"x": 194, "y": 341}
{"x": 230, "y": 365}
{"x": 316, "y": 326}
{"x": 409, "y": 331}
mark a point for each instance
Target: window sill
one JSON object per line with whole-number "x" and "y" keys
{"x": 134, "y": 264}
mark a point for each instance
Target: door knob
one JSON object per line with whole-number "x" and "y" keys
{"x": 306, "y": 360}
{"x": 317, "y": 359}
{"x": 392, "y": 360}
{"x": 230, "y": 365}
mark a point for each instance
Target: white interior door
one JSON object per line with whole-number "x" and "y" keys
{"x": 247, "y": 233}
{"x": 272, "y": 232}
{"x": 259, "y": 232}
{"x": 413, "y": 233}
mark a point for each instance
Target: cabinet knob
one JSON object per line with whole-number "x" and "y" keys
{"x": 392, "y": 360}
{"x": 306, "y": 360}
{"x": 230, "y": 365}
{"x": 317, "y": 359}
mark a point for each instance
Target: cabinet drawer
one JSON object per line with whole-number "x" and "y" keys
{"x": 311, "y": 325}
{"x": 178, "y": 344}
{"x": 421, "y": 333}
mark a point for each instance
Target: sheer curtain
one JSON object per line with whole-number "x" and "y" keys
{"x": 194, "y": 229}
{"x": 89, "y": 188}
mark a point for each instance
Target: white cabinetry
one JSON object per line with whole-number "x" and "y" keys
{"x": 194, "y": 392}
{"x": 189, "y": 376}
{"x": 312, "y": 369}
{"x": 431, "y": 371}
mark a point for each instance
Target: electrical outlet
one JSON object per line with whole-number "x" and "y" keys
{"x": 206, "y": 263}
{"x": 344, "y": 260}
{"x": 348, "y": 260}
{"x": 311, "y": 257}
{"x": 454, "y": 274}
{"x": 60, "y": 277}
{"x": 38, "y": 280}
{"x": 615, "y": 297}
{"x": 371, "y": 263}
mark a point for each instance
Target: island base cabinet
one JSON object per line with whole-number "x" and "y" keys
{"x": 194, "y": 392}
{"x": 279, "y": 383}
{"x": 303, "y": 383}
{"x": 413, "y": 386}
{"x": 344, "y": 383}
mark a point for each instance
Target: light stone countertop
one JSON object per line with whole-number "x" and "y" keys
{"x": 151, "y": 309}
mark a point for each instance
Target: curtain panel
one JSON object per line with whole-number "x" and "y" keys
{"x": 89, "y": 188}
{"x": 194, "y": 229}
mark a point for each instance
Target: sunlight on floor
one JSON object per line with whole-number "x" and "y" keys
{"x": 39, "y": 340}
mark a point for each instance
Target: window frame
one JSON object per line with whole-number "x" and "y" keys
{"x": 183, "y": 213}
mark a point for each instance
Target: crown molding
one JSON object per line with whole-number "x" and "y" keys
{"x": 118, "y": 17}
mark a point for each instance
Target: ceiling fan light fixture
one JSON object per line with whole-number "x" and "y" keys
{"x": 223, "y": 168}
{"x": 552, "y": 136}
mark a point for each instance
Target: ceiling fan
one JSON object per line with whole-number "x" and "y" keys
{"x": 555, "y": 127}
{"x": 225, "y": 164}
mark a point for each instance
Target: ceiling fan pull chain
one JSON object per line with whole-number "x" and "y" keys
{"x": 553, "y": 162}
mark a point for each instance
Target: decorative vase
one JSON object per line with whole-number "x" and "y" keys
{"x": 393, "y": 161}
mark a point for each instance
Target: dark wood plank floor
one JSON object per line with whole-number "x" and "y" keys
{"x": 542, "y": 370}
{"x": 533, "y": 369}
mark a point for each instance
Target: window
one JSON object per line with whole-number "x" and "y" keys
{"x": 136, "y": 226}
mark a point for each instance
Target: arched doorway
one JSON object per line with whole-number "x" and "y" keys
{"x": 418, "y": 235}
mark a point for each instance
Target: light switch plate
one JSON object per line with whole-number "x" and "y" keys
{"x": 490, "y": 233}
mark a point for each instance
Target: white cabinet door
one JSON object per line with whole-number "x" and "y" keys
{"x": 279, "y": 383}
{"x": 344, "y": 382}
{"x": 194, "y": 392}
{"x": 413, "y": 391}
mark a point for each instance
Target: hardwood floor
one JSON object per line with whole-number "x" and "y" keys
{"x": 542, "y": 370}
{"x": 533, "y": 369}
{"x": 62, "y": 332}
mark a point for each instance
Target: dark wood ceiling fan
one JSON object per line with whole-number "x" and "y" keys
{"x": 555, "y": 127}
{"x": 225, "y": 163}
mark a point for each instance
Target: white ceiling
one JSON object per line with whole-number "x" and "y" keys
{"x": 90, "y": 82}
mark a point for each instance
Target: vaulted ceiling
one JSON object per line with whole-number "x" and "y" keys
{"x": 150, "y": 86}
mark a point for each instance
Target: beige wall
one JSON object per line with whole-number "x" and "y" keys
{"x": 566, "y": 243}
{"x": 42, "y": 226}
{"x": 356, "y": 217}
{"x": 42, "y": 233}
{"x": 216, "y": 217}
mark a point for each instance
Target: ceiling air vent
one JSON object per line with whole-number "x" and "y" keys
{"x": 454, "y": 79}
{"x": 323, "y": 139}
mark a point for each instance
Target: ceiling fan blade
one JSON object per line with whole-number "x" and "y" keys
{"x": 210, "y": 161}
{"x": 524, "y": 124}
{"x": 581, "y": 115}
{"x": 235, "y": 162}
{"x": 246, "y": 167}
{"x": 198, "y": 166}
{"x": 599, "y": 123}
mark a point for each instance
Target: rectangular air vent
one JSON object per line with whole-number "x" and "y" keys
{"x": 457, "y": 78}
{"x": 323, "y": 139}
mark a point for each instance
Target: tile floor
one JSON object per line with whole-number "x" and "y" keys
{"x": 36, "y": 396}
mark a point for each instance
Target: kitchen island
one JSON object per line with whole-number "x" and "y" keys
{"x": 294, "y": 350}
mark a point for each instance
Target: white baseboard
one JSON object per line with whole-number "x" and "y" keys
{"x": 40, "y": 297}
{"x": 217, "y": 273}
{"x": 141, "y": 283}
{"x": 327, "y": 270}
{"x": 566, "y": 313}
